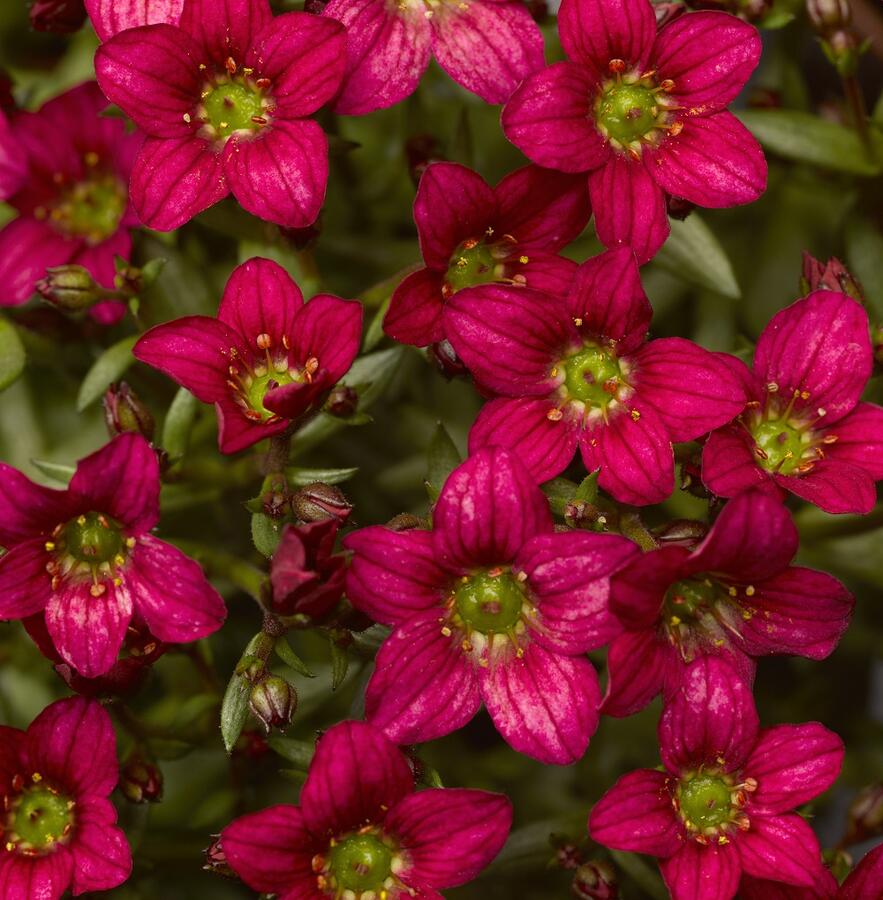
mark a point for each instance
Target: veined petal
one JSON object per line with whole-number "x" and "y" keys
{"x": 329, "y": 330}
{"x": 638, "y": 589}
{"x": 27, "y": 510}
{"x": 109, "y": 17}
{"x": 728, "y": 462}
{"x": 24, "y": 878}
{"x": 27, "y": 249}
{"x": 102, "y": 856}
{"x": 702, "y": 873}
{"x": 834, "y": 486}
{"x": 25, "y": 585}
{"x": 781, "y": 848}
{"x": 225, "y": 28}
{"x": 860, "y": 440}
{"x": 866, "y": 879}
{"x": 260, "y": 298}
{"x": 636, "y": 672}
{"x": 415, "y": 311}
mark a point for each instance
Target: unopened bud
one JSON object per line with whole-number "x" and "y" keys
{"x": 691, "y": 476}
{"x": 342, "y": 402}
{"x": 215, "y": 859}
{"x": 141, "y": 781}
{"x": 843, "y": 51}
{"x": 866, "y": 814}
{"x": 273, "y": 702}
{"x": 681, "y": 531}
{"x": 71, "y": 288}
{"x": 829, "y": 276}
{"x": 595, "y": 880}
{"x": 445, "y": 357}
{"x": 828, "y": 16}
{"x": 125, "y": 411}
{"x": 315, "y": 7}
{"x": 59, "y": 16}
{"x": 678, "y": 208}
{"x": 420, "y": 151}
{"x": 319, "y": 501}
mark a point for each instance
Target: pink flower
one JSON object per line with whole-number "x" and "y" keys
{"x": 65, "y": 170}
{"x": 734, "y": 595}
{"x": 224, "y": 99}
{"x": 491, "y": 605}
{"x": 471, "y": 234}
{"x": 863, "y": 883}
{"x": 644, "y": 114}
{"x": 576, "y": 371}
{"x": 361, "y": 829}
{"x": 58, "y": 827}
{"x": 266, "y": 361}
{"x": 86, "y": 559}
{"x": 487, "y": 46}
{"x": 723, "y": 804}
{"x": 109, "y": 17}
{"x": 804, "y": 429}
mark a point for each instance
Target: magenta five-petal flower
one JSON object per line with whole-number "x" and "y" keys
{"x": 487, "y": 46}
{"x": 58, "y": 827}
{"x": 471, "y": 234}
{"x": 804, "y": 428}
{"x": 723, "y": 804}
{"x": 735, "y": 594}
{"x": 577, "y": 371}
{"x": 361, "y": 829}
{"x": 86, "y": 559}
{"x": 267, "y": 360}
{"x": 644, "y": 114}
{"x": 65, "y": 170}
{"x": 490, "y": 605}
{"x": 224, "y": 98}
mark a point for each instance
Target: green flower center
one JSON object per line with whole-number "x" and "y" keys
{"x": 360, "y": 863}
{"x": 259, "y": 386}
{"x": 593, "y": 376}
{"x": 781, "y": 444}
{"x": 628, "y": 111}
{"x": 38, "y": 819}
{"x": 706, "y": 802}
{"x": 688, "y": 599}
{"x": 490, "y": 602}
{"x": 93, "y": 538}
{"x": 233, "y": 102}
{"x": 91, "y": 209}
{"x": 473, "y": 263}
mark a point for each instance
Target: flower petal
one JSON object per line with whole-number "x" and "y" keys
{"x": 548, "y": 119}
{"x": 797, "y": 611}
{"x": 860, "y": 440}
{"x": 424, "y": 685}
{"x": 387, "y": 51}
{"x": 260, "y": 298}
{"x": 593, "y": 32}
{"x": 13, "y": 160}
{"x": 303, "y": 55}
{"x": 280, "y": 176}
{"x": 27, "y": 510}
{"x": 488, "y": 509}
{"x": 393, "y": 574}
{"x": 153, "y": 75}
{"x": 637, "y": 591}
{"x": 195, "y": 351}
{"x": 72, "y": 742}
{"x": 709, "y": 56}
{"x": 509, "y": 337}
{"x": 711, "y": 719}
{"x": 225, "y": 28}
{"x": 866, "y": 879}
{"x": 568, "y": 575}
{"x": 25, "y": 585}
{"x": 547, "y": 272}
{"x": 356, "y": 775}
{"x": 236, "y": 432}
{"x": 693, "y": 391}
{"x": 834, "y": 486}
{"x": 545, "y": 445}
{"x": 636, "y": 672}
{"x": 44, "y": 877}
{"x": 270, "y": 850}
{"x": 543, "y": 704}
{"x": 109, "y": 17}
{"x": 728, "y": 463}
{"x": 792, "y": 764}
{"x": 122, "y": 480}
{"x": 608, "y": 296}
{"x": 449, "y": 835}
{"x": 27, "y": 249}
{"x": 174, "y": 180}
{"x": 819, "y": 345}
{"x": 629, "y": 206}
{"x": 415, "y": 311}
{"x": 781, "y": 848}
{"x": 329, "y": 330}
{"x": 487, "y": 47}
{"x": 102, "y": 856}
{"x": 752, "y": 539}
{"x": 715, "y": 161}
{"x": 702, "y": 873}
{"x": 636, "y": 815}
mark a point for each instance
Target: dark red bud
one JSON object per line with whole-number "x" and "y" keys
{"x": 420, "y": 151}
{"x": 316, "y": 7}
{"x": 273, "y": 702}
{"x": 691, "y": 476}
{"x": 319, "y": 501}
{"x": 668, "y": 11}
{"x": 59, "y": 16}
{"x": 829, "y": 276}
{"x": 125, "y": 411}
{"x": 827, "y": 16}
{"x": 342, "y": 402}
{"x": 595, "y": 880}
{"x": 141, "y": 781}
{"x": 678, "y": 208}
{"x": 445, "y": 357}
{"x": 216, "y": 861}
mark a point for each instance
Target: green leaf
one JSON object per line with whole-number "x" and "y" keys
{"x": 179, "y": 424}
{"x": 105, "y": 370}
{"x": 441, "y": 459}
{"x": 693, "y": 253}
{"x": 560, "y": 492}
{"x": 298, "y": 752}
{"x": 60, "y": 472}
{"x": 864, "y": 253}
{"x": 234, "y": 706}
{"x": 588, "y": 488}
{"x": 290, "y": 658}
{"x": 340, "y": 663}
{"x": 12, "y": 354}
{"x": 803, "y": 137}
{"x": 302, "y": 477}
{"x": 374, "y": 334}
{"x": 266, "y": 534}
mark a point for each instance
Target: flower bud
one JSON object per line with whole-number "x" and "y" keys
{"x": 667, "y": 11}
{"x": 681, "y": 531}
{"x": 595, "y": 880}
{"x": 59, "y": 16}
{"x": 420, "y": 151}
{"x": 678, "y": 208}
{"x": 828, "y": 16}
{"x": 829, "y": 276}
{"x": 125, "y": 411}
{"x": 319, "y": 501}
{"x": 445, "y": 357}
{"x": 866, "y": 814}
{"x": 273, "y": 701}
{"x": 691, "y": 476}
{"x": 70, "y": 288}
{"x": 141, "y": 781}
{"x": 215, "y": 859}
{"x": 342, "y": 402}
{"x": 315, "y": 6}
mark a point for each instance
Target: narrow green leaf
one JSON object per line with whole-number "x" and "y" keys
{"x": 340, "y": 663}
{"x": 300, "y": 477}
{"x": 374, "y": 334}
{"x": 560, "y": 492}
{"x": 179, "y": 424}
{"x": 290, "y": 658}
{"x": 266, "y": 534}
{"x": 105, "y": 370}
{"x": 234, "y": 706}
{"x": 441, "y": 459}
{"x": 693, "y": 253}
{"x": 588, "y": 488}
{"x": 298, "y": 752}
{"x": 864, "y": 254}
{"x": 61, "y": 472}
{"x": 12, "y": 354}
{"x": 804, "y": 137}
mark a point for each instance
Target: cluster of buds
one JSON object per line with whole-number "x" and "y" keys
{"x": 141, "y": 780}
{"x": 831, "y": 19}
{"x": 58, "y": 16}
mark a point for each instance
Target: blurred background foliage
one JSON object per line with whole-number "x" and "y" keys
{"x": 720, "y": 278}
